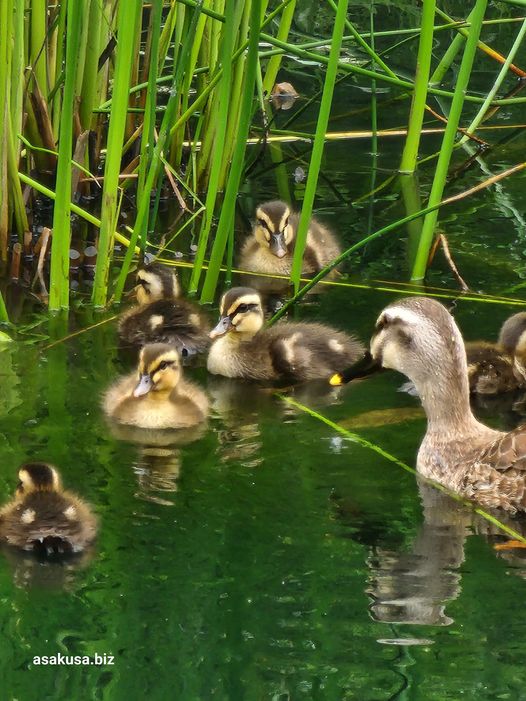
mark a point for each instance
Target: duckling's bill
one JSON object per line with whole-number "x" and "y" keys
{"x": 223, "y": 326}
{"x": 362, "y": 368}
{"x": 144, "y": 386}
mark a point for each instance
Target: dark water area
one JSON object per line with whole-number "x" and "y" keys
{"x": 266, "y": 556}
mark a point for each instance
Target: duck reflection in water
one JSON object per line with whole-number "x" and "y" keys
{"x": 242, "y": 407}
{"x": 414, "y": 587}
{"x": 159, "y": 457}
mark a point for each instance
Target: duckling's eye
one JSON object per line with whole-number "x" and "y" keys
{"x": 143, "y": 283}
{"x": 381, "y": 324}
{"x": 164, "y": 364}
{"x": 262, "y": 223}
{"x": 243, "y": 308}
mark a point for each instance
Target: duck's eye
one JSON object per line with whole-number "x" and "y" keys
{"x": 286, "y": 223}
{"x": 164, "y": 364}
{"x": 262, "y": 223}
{"x": 242, "y": 308}
{"x": 143, "y": 283}
{"x": 381, "y": 324}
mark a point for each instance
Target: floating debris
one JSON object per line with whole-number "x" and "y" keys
{"x": 283, "y": 96}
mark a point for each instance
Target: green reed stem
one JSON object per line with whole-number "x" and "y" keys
{"x": 221, "y": 122}
{"x": 275, "y": 61}
{"x": 349, "y": 251}
{"x": 4, "y": 316}
{"x": 59, "y": 277}
{"x": 87, "y": 216}
{"x": 128, "y": 22}
{"x": 448, "y": 142}
{"x": 319, "y": 142}
{"x": 147, "y": 138}
{"x": 226, "y": 220}
{"x": 38, "y": 32}
{"x": 356, "y": 438}
{"x": 418, "y": 103}
{"x": 164, "y": 132}
{"x": 503, "y": 73}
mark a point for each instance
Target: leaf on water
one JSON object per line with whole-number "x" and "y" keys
{"x": 382, "y": 417}
{"x": 283, "y": 96}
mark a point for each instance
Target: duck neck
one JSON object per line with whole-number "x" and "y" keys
{"x": 445, "y": 398}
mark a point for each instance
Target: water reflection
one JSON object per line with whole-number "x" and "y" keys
{"x": 31, "y": 572}
{"x": 158, "y": 463}
{"x": 414, "y": 587}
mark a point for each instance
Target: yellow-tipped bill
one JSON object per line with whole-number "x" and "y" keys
{"x": 336, "y": 380}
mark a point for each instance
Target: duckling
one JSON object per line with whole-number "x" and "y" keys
{"x": 157, "y": 396}
{"x": 419, "y": 338}
{"x": 291, "y": 352}
{"x": 495, "y": 368}
{"x": 43, "y": 517}
{"x": 161, "y": 316}
{"x": 270, "y": 248}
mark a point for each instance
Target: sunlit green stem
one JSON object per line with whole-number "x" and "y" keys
{"x": 498, "y": 82}
{"x": 129, "y": 14}
{"x": 418, "y": 103}
{"x": 59, "y": 278}
{"x": 319, "y": 142}
{"x": 226, "y": 220}
{"x": 275, "y": 61}
{"x": 164, "y": 131}
{"x": 448, "y": 142}
{"x": 222, "y": 119}
{"x": 4, "y": 317}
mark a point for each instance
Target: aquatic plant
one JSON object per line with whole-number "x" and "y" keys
{"x": 90, "y": 120}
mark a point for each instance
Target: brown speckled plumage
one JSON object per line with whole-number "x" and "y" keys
{"x": 419, "y": 337}
{"x": 44, "y": 518}
{"x": 165, "y": 317}
{"x": 495, "y": 368}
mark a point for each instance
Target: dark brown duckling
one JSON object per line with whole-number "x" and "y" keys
{"x": 501, "y": 367}
{"x": 43, "y": 517}
{"x": 290, "y": 352}
{"x": 161, "y": 315}
{"x": 270, "y": 248}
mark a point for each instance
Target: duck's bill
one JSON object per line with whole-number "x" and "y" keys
{"x": 278, "y": 245}
{"x": 144, "y": 386}
{"x": 362, "y": 368}
{"x": 224, "y": 325}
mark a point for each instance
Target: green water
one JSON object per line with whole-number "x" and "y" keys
{"x": 267, "y": 557}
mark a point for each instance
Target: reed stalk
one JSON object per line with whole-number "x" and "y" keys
{"x": 59, "y": 278}
{"x": 4, "y": 316}
{"x": 274, "y": 63}
{"x": 148, "y": 125}
{"x": 227, "y": 48}
{"x": 226, "y": 220}
{"x": 5, "y": 84}
{"x": 128, "y": 22}
{"x": 475, "y": 122}
{"x": 418, "y": 102}
{"x": 38, "y": 29}
{"x": 448, "y": 142}
{"x": 319, "y": 143}
{"x": 164, "y": 132}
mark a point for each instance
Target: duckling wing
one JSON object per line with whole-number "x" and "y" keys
{"x": 311, "y": 351}
{"x": 167, "y": 321}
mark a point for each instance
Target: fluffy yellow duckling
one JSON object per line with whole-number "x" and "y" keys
{"x": 157, "y": 396}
